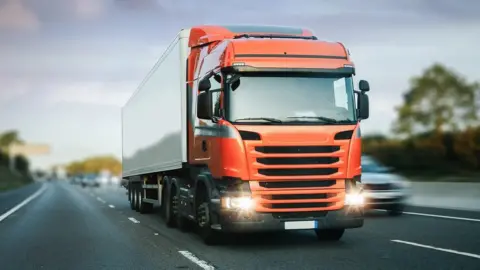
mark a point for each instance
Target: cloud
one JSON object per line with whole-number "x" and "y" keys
{"x": 12, "y": 89}
{"x": 95, "y": 93}
{"x": 15, "y": 15}
{"x": 91, "y": 54}
{"x": 87, "y": 9}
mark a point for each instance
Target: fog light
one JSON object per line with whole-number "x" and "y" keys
{"x": 241, "y": 203}
{"x": 354, "y": 199}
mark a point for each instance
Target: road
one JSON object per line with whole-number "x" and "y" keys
{"x": 67, "y": 227}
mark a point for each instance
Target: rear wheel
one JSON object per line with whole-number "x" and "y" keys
{"x": 182, "y": 223}
{"x": 131, "y": 197}
{"x": 171, "y": 207}
{"x": 329, "y": 234}
{"x": 143, "y": 207}
{"x": 135, "y": 198}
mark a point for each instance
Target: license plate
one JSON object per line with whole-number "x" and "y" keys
{"x": 300, "y": 225}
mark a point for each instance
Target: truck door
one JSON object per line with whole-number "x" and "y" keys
{"x": 207, "y": 130}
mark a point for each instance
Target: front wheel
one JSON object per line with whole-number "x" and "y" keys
{"x": 329, "y": 234}
{"x": 208, "y": 235}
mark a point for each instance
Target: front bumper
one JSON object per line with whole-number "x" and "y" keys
{"x": 385, "y": 198}
{"x": 235, "y": 221}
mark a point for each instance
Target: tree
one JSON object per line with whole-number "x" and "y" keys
{"x": 438, "y": 100}
{"x": 95, "y": 165}
{"x": 21, "y": 164}
{"x": 8, "y": 138}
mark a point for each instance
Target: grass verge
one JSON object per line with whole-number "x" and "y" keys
{"x": 9, "y": 180}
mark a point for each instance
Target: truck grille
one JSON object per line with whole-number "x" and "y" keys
{"x": 304, "y": 178}
{"x": 297, "y": 172}
{"x": 296, "y": 149}
{"x": 297, "y": 160}
{"x": 288, "y": 196}
{"x": 298, "y": 184}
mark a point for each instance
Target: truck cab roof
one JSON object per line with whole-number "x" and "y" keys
{"x": 204, "y": 34}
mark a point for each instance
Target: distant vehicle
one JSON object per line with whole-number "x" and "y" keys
{"x": 90, "y": 180}
{"x": 76, "y": 179}
{"x": 382, "y": 188}
{"x": 115, "y": 180}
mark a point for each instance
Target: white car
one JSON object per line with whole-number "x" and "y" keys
{"x": 382, "y": 188}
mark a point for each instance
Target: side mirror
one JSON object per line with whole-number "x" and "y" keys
{"x": 204, "y": 85}
{"x": 204, "y": 105}
{"x": 363, "y": 106}
{"x": 364, "y": 86}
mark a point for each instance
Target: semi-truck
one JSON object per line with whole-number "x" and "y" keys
{"x": 248, "y": 129}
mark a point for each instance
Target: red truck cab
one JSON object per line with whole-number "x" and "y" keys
{"x": 274, "y": 123}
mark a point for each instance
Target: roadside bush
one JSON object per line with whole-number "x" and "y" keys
{"x": 429, "y": 153}
{"x": 4, "y": 159}
{"x": 22, "y": 165}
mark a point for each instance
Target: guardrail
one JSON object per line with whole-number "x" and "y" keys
{"x": 465, "y": 196}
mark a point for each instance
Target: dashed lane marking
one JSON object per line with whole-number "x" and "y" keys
{"x": 439, "y": 216}
{"x": 203, "y": 264}
{"x": 476, "y": 256}
{"x": 132, "y": 219}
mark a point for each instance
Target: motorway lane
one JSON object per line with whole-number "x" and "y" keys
{"x": 9, "y": 199}
{"x": 372, "y": 247}
{"x": 66, "y": 229}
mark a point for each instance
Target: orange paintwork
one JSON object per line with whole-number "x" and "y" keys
{"x": 208, "y": 33}
{"x": 290, "y": 47}
{"x": 232, "y": 157}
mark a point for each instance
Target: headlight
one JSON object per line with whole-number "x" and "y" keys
{"x": 354, "y": 199}
{"x": 241, "y": 203}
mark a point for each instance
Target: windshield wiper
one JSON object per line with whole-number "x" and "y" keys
{"x": 268, "y": 119}
{"x": 323, "y": 119}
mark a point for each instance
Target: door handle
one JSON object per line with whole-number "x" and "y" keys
{"x": 204, "y": 146}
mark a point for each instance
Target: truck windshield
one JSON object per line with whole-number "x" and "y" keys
{"x": 315, "y": 98}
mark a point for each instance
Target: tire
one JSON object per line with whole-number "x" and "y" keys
{"x": 170, "y": 211}
{"x": 183, "y": 223}
{"x": 329, "y": 234}
{"x": 135, "y": 198}
{"x": 396, "y": 210}
{"x": 131, "y": 198}
{"x": 209, "y": 236}
{"x": 143, "y": 207}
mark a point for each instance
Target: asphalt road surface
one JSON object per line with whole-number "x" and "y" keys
{"x": 60, "y": 226}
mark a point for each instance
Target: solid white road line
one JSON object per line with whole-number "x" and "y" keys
{"x": 23, "y": 203}
{"x": 133, "y": 220}
{"x": 203, "y": 264}
{"x": 111, "y": 206}
{"x": 438, "y": 216}
{"x": 100, "y": 200}
{"x": 476, "y": 256}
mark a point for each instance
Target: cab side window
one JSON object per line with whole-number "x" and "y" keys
{"x": 216, "y": 90}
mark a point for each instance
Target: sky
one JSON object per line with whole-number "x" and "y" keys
{"x": 67, "y": 66}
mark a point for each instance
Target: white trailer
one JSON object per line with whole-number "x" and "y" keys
{"x": 154, "y": 120}
{"x": 154, "y": 125}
